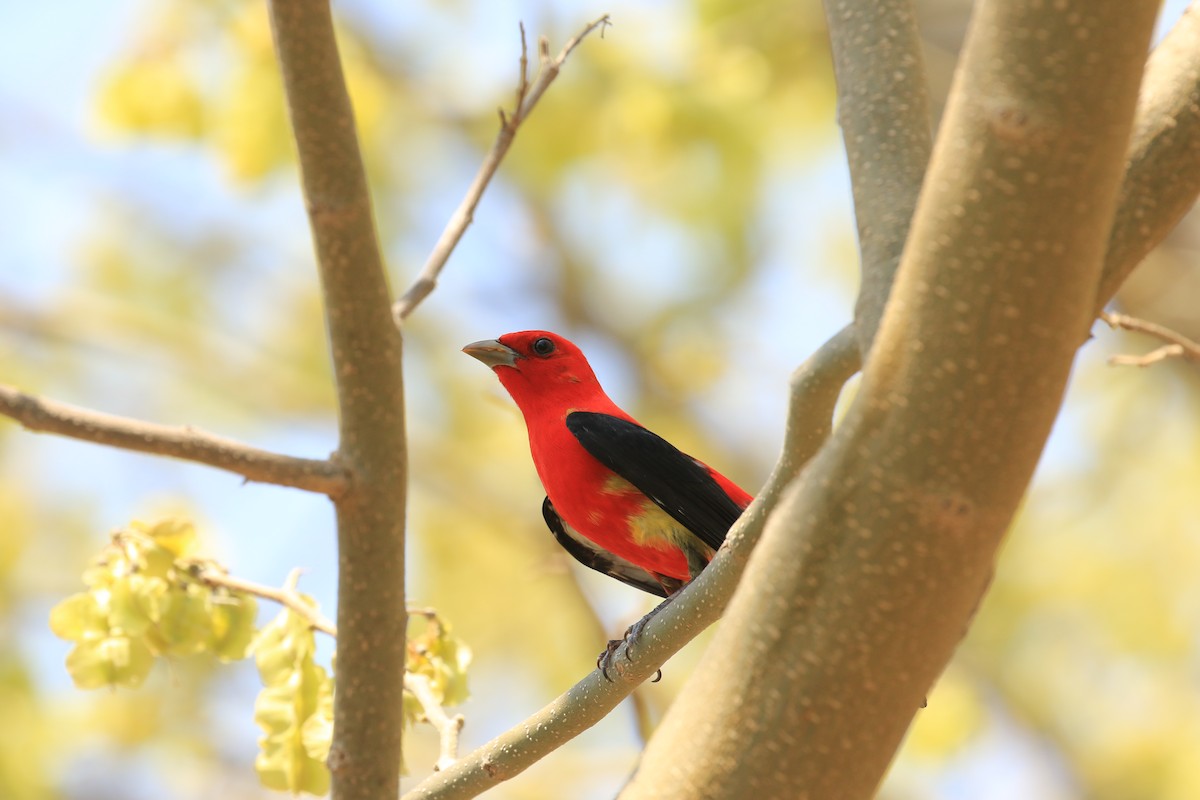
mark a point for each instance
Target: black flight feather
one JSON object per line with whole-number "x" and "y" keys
{"x": 675, "y": 481}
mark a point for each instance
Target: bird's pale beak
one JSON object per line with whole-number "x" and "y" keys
{"x": 492, "y": 353}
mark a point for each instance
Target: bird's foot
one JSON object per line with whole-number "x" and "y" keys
{"x": 633, "y": 635}
{"x": 605, "y": 659}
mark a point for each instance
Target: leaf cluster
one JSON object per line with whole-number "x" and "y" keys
{"x": 145, "y": 599}
{"x": 148, "y": 596}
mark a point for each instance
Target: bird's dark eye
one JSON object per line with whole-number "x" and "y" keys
{"x": 543, "y": 347}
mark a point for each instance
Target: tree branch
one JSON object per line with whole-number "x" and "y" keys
{"x": 187, "y": 443}
{"x": 366, "y": 349}
{"x": 874, "y": 559}
{"x": 815, "y": 389}
{"x": 287, "y": 596}
{"x": 883, "y": 109}
{"x": 1162, "y": 179}
{"x": 447, "y": 727}
{"x": 527, "y": 97}
{"x": 641, "y": 710}
{"x": 1179, "y": 346}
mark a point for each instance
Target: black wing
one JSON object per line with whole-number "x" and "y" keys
{"x": 675, "y": 481}
{"x": 590, "y": 555}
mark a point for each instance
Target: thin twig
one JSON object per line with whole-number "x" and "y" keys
{"x": 287, "y": 596}
{"x": 42, "y": 415}
{"x": 527, "y": 97}
{"x": 1178, "y": 345}
{"x": 448, "y": 727}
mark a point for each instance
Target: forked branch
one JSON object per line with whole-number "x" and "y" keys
{"x": 1177, "y": 345}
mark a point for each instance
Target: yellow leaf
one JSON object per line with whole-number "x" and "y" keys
{"x": 232, "y": 622}
{"x": 284, "y": 711}
{"x": 177, "y": 536}
{"x": 109, "y": 661}
{"x": 286, "y": 641}
{"x": 184, "y": 626}
{"x": 127, "y": 611}
{"x": 152, "y": 95}
{"x": 77, "y": 617}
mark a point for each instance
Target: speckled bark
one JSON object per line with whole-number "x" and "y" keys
{"x": 365, "y": 757}
{"x": 870, "y": 567}
{"x": 1163, "y": 178}
{"x": 883, "y": 110}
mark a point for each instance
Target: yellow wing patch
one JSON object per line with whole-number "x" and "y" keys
{"x": 651, "y": 526}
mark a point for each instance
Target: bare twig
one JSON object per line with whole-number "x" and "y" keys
{"x": 1153, "y": 357}
{"x": 528, "y": 95}
{"x": 815, "y": 388}
{"x": 448, "y": 727}
{"x": 1178, "y": 345}
{"x": 39, "y": 414}
{"x": 287, "y": 596}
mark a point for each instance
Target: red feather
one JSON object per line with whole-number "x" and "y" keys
{"x": 594, "y": 500}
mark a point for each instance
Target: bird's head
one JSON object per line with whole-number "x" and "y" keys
{"x": 538, "y": 368}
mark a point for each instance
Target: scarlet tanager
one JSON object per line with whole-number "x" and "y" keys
{"x": 619, "y": 498}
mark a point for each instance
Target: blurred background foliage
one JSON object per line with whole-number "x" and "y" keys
{"x": 678, "y": 204}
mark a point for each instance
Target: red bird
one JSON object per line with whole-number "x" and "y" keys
{"x": 619, "y": 498}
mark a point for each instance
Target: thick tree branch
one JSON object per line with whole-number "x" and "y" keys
{"x": 1178, "y": 345}
{"x": 815, "y": 389}
{"x": 366, "y": 349}
{"x": 42, "y": 415}
{"x": 883, "y": 109}
{"x": 872, "y": 563}
{"x": 1162, "y": 179}
{"x": 527, "y": 97}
